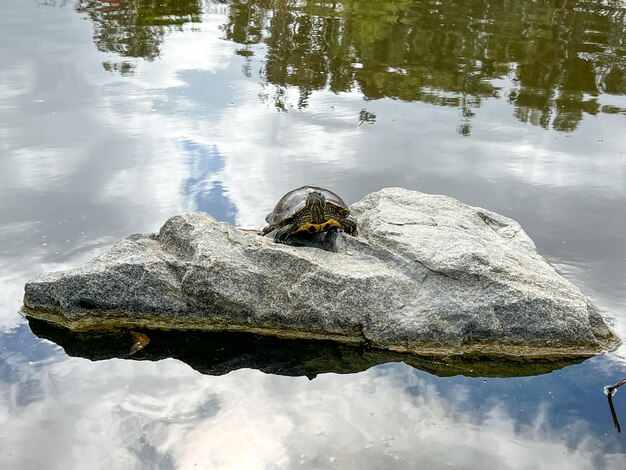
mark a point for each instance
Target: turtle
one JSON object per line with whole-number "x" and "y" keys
{"x": 309, "y": 209}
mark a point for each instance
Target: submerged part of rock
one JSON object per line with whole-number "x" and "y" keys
{"x": 219, "y": 353}
{"x": 427, "y": 275}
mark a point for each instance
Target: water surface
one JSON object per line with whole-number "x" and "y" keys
{"x": 116, "y": 115}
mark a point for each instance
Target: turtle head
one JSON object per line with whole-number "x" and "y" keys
{"x": 316, "y": 205}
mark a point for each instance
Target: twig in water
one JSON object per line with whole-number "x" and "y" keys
{"x": 609, "y": 391}
{"x": 613, "y": 388}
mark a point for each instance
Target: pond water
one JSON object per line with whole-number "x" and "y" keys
{"x": 116, "y": 114}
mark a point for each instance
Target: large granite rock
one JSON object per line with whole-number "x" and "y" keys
{"x": 427, "y": 274}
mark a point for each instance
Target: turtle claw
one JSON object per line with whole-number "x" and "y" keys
{"x": 349, "y": 226}
{"x": 283, "y": 233}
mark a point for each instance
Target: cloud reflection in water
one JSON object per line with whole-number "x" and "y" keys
{"x": 127, "y": 414}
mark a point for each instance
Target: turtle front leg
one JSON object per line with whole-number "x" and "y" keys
{"x": 281, "y": 234}
{"x": 349, "y": 226}
{"x": 267, "y": 229}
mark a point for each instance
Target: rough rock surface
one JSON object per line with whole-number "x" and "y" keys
{"x": 427, "y": 274}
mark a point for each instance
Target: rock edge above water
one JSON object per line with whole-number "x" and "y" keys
{"x": 427, "y": 275}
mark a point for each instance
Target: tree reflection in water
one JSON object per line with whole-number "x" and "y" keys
{"x": 551, "y": 60}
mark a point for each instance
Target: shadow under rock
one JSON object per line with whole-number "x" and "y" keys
{"x": 220, "y": 353}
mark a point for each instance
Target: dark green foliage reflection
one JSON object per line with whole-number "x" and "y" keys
{"x": 551, "y": 60}
{"x": 136, "y": 28}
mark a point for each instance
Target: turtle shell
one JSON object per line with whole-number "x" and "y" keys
{"x": 294, "y": 201}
